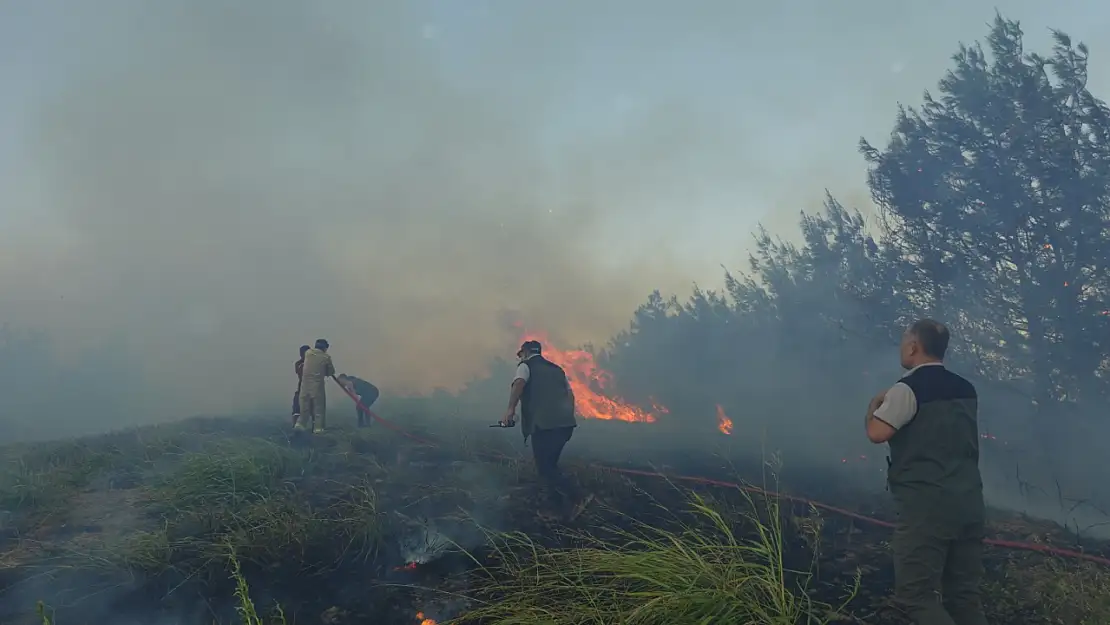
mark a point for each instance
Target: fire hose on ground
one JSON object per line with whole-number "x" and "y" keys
{"x": 694, "y": 479}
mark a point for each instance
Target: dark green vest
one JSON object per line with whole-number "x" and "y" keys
{"x": 934, "y": 459}
{"x": 546, "y": 402}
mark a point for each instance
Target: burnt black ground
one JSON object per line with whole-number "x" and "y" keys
{"x": 99, "y": 489}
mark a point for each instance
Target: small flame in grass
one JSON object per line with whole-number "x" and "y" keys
{"x": 424, "y": 621}
{"x": 411, "y": 566}
{"x": 724, "y": 424}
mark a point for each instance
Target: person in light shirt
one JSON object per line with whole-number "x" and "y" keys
{"x": 546, "y": 413}
{"x": 930, "y": 420}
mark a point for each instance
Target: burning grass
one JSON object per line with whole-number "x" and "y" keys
{"x": 172, "y": 522}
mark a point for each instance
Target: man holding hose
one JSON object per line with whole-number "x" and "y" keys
{"x": 546, "y": 413}
{"x": 366, "y": 394}
{"x": 316, "y": 370}
{"x": 930, "y": 419}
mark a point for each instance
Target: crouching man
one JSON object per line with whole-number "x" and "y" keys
{"x": 366, "y": 393}
{"x": 546, "y": 414}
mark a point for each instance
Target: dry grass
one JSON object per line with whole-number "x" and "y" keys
{"x": 252, "y": 498}
{"x": 216, "y": 508}
{"x": 1069, "y": 593}
{"x": 698, "y": 569}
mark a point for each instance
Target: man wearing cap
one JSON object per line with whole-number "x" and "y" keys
{"x": 546, "y": 411}
{"x": 317, "y": 368}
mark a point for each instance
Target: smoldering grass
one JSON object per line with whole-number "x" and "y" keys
{"x": 1072, "y": 592}
{"x": 264, "y": 502}
{"x": 23, "y": 488}
{"x": 38, "y": 481}
{"x": 347, "y": 526}
{"x": 229, "y": 475}
{"x": 698, "y": 570}
{"x": 290, "y": 533}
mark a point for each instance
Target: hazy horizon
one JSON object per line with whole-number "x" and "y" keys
{"x": 202, "y": 187}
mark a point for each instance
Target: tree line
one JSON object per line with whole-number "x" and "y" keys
{"x": 992, "y": 215}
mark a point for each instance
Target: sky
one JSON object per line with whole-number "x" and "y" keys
{"x": 203, "y": 186}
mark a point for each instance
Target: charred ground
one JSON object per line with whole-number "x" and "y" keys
{"x": 165, "y": 524}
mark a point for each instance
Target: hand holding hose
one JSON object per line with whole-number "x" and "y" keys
{"x": 507, "y": 421}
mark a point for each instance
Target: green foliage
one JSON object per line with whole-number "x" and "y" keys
{"x": 230, "y": 475}
{"x": 993, "y": 215}
{"x": 268, "y": 504}
{"x": 708, "y": 567}
{"x": 994, "y": 195}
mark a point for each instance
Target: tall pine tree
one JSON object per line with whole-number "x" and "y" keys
{"x": 995, "y": 195}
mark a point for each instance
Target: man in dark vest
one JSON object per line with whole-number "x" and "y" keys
{"x": 366, "y": 393}
{"x": 546, "y": 412}
{"x": 930, "y": 419}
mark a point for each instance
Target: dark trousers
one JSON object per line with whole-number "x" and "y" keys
{"x": 938, "y": 567}
{"x": 547, "y": 446}
{"x": 296, "y": 405}
{"x": 363, "y": 416}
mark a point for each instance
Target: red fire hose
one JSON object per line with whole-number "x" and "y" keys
{"x": 994, "y": 542}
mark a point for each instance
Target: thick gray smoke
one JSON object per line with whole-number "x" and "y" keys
{"x": 193, "y": 189}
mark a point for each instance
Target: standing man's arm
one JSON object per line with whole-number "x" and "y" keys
{"x": 888, "y": 412}
{"x": 329, "y": 368}
{"x": 515, "y": 391}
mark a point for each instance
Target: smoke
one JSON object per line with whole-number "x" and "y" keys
{"x": 194, "y": 189}
{"x": 219, "y": 184}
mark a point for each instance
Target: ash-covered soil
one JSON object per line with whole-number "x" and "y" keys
{"x": 148, "y": 526}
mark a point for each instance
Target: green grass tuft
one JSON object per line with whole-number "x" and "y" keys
{"x": 247, "y": 613}
{"x": 698, "y": 570}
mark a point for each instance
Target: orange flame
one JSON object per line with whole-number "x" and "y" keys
{"x": 724, "y": 424}
{"x": 411, "y": 566}
{"x": 424, "y": 621}
{"x": 584, "y": 376}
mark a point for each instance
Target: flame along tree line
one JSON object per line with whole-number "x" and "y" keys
{"x": 993, "y": 214}
{"x": 993, "y": 203}
{"x": 593, "y": 388}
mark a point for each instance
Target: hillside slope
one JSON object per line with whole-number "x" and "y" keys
{"x": 370, "y": 526}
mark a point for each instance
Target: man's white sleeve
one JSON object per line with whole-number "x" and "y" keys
{"x": 522, "y": 372}
{"x": 899, "y": 407}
